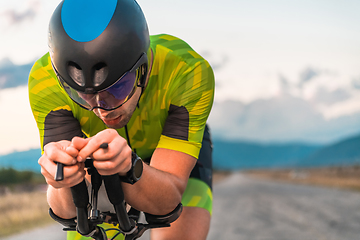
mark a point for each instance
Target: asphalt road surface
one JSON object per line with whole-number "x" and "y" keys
{"x": 251, "y": 209}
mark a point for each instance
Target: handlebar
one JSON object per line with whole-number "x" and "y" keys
{"x": 88, "y": 225}
{"x": 59, "y": 175}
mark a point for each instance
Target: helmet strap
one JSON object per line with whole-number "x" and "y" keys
{"x": 145, "y": 77}
{"x": 142, "y": 81}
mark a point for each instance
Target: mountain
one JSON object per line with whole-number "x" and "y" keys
{"x": 12, "y": 75}
{"x": 244, "y": 155}
{"x": 27, "y": 160}
{"x": 341, "y": 153}
{"x": 229, "y": 155}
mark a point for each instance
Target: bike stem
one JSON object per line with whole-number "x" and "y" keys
{"x": 115, "y": 194}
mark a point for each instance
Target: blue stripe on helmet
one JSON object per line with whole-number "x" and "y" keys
{"x": 85, "y": 20}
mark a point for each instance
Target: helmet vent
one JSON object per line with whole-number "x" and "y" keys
{"x": 76, "y": 73}
{"x": 101, "y": 71}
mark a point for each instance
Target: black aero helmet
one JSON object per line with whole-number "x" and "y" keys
{"x": 94, "y": 44}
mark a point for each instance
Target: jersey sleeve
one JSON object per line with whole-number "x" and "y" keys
{"x": 190, "y": 96}
{"x": 49, "y": 104}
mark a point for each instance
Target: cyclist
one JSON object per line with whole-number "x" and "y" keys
{"x": 105, "y": 80}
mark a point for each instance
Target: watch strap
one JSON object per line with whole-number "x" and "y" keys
{"x": 133, "y": 175}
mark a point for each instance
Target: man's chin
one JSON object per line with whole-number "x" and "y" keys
{"x": 112, "y": 122}
{"x": 121, "y": 118}
{"x": 116, "y": 123}
{"x": 115, "y": 126}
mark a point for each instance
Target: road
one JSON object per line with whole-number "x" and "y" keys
{"x": 253, "y": 209}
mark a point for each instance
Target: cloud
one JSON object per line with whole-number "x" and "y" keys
{"x": 284, "y": 84}
{"x": 281, "y": 119}
{"x": 15, "y": 17}
{"x": 328, "y": 97}
{"x": 307, "y": 75}
{"x": 5, "y": 63}
{"x": 12, "y": 75}
{"x": 356, "y": 83}
{"x": 226, "y": 113}
{"x": 216, "y": 61}
{"x": 18, "y": 128}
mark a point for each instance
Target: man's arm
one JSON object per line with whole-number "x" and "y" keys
{"x": 61, "y": 202}
{"x": 162, "y": 183}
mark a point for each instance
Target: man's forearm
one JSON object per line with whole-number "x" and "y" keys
{"x": 61, "y": 202}
{"x": 157, "y": 192}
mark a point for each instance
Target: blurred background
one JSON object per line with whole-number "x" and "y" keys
{"x": 287, "y": 78}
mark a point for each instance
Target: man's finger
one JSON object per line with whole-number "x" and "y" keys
{"x": 79, "y": 143}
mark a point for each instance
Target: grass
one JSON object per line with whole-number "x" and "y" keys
{"x": 337, "y": 177}
{"x": 23, "y": 211}
{"x": 219, "y": 175}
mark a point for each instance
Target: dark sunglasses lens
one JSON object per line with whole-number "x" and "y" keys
{"x": 122, "y": 89}
{"x": 108, "y": 99}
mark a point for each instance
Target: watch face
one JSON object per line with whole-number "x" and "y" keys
{"x": 138, "y": 168}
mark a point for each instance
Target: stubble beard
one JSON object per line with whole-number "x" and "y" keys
{"x": 125, "y": 116}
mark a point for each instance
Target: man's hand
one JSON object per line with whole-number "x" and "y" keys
{"x": 114, "y": 159}
{"x": 62, "y": 152}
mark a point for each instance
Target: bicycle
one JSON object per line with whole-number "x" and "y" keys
{"x": 89, "y": 217}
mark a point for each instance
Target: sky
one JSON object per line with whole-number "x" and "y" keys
{"x": 248, "y": 39}
{"x": 258, "y": 49}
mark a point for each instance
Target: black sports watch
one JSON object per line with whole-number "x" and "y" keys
{"x": 134, "y": 174}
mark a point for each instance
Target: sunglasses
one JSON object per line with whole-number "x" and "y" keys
{"x": 113, "y": 96}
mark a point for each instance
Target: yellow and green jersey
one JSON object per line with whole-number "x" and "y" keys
{"x": 171, "y": 113}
